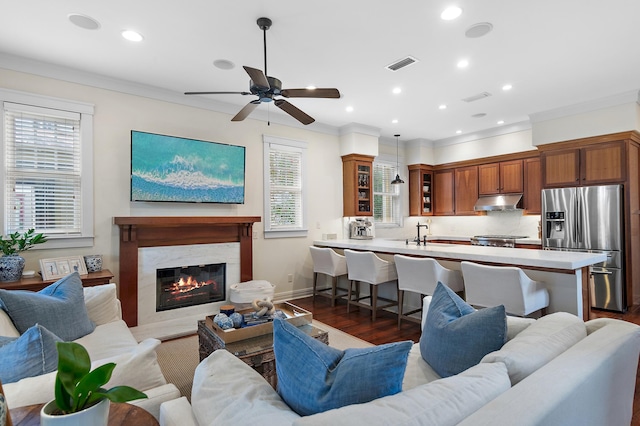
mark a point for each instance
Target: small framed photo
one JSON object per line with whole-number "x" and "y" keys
{"x": 58, "y": 267}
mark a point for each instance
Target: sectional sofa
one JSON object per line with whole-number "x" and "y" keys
{"x": 557, "y": 370}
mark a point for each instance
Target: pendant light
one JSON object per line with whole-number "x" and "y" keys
{"x": 397, "y": 180}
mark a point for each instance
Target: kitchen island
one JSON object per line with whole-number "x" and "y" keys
{"x": 566, "y": 274}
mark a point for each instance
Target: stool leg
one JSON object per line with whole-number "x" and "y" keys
{"x": 315, "y": 284}
{"x": 334, "y": 285}
{"x": 349, "y": 295}
{"x": 400, "y": 303}
{"x": 373, "y": 290}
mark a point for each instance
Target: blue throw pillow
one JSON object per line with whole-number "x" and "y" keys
{"x": 455, "y": 336}
{"x": 32, "y": 354}
{"x": 313, "y": 377}
{"x": 59, "y": 308}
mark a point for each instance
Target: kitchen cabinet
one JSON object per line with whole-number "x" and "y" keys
{"x": 532, "y": 177}
{"x": 503, "y": 177}
{"x": 466, "y": 190}
{"x": 444, "y": 192}
{"x": 357, "y": 185}
{"x": 594, "y": 164}
{"x": 420, "y": 190}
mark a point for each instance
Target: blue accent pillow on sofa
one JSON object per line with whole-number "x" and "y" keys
{"x": 58, "y": 307}
{"x": 32, "y": 354}
{"x": 314, "y": 377}
{"x": 456, "y": 336}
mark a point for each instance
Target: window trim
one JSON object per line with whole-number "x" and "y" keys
{"x": 298, "y": 145}
{"x": 391, "y": 161}
{"x": 86, "y": 111}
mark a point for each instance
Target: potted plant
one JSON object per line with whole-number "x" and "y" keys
{"x": 79, "y": 396}
{"x": 11, "y": 263}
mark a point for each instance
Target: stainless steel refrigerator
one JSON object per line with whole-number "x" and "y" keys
{"x": 589, "y": 218}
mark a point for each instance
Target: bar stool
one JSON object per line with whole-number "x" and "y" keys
{"x": 421, "y": 275}
{"x": 487, "y": 286}
{"x": 326, "y": 261}
{"x": 368, "y": 268}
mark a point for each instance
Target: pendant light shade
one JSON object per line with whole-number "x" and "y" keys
{"x": 397, "y": 180}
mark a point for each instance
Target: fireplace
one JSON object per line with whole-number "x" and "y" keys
{"x": 193, "y": 285}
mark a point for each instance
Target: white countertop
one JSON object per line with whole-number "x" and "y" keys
{"x": 566, "y": 260}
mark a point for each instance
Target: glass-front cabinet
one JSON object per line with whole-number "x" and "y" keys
{"x": 357, "y": 190}
{"x": 420, "y": 190}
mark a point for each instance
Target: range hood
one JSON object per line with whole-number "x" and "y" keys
{"x": 506, "y": 202}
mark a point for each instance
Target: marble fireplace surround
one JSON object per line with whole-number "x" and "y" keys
{"x": 137, "y": 232}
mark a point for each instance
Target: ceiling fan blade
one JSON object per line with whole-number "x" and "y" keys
{"x": 258, "y": 77}
{"x": 311, "y": 93}
{"x": 294, "y": 111}
{"x": 246, "y": 110}
{"x": 217, "y": 93}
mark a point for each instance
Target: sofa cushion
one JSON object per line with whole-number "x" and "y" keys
{"x": 313, "y": 377}
{"x": 456, "y": 336}
{"x": 102, "y": 303}
{"x": 58, "y": 307}
{"x": 32, "y": 354}
{"x": 444, "y": 402}
{"x": 7, "y": 328}
{"x": 538, "y": 344}
{"x": 108, "y": 340}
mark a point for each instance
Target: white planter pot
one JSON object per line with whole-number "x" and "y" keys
{"x": 96, "y": 415}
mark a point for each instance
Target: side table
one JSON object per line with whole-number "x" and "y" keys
{"x": 120, "y": 414}
{"x": 257, "y": 352}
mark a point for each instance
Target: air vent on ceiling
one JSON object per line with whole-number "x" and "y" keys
{"x": 401, "y": 63}
{"x": 477, "y": 97}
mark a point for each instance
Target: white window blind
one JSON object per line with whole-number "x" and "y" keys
{"x": 284, "y": 188}
{"x": 42, "y": 170}
{"x": 386, "y": 197}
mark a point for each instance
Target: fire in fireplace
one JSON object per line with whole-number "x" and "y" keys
{"x": 189, "y": 286}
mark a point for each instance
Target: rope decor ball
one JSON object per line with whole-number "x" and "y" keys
{"x": 263, "y": 307}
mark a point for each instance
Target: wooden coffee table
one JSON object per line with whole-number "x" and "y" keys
{"x": 257, "y": 352}
{"x": 119, "y": 414}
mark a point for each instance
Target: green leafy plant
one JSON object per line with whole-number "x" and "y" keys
{"x": 17, "y": 242}
{"x": 78, "y": 387}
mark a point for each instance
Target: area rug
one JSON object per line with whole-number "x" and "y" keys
{"x": 178, "y": 358}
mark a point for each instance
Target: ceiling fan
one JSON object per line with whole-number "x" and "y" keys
{"x": 266, "y": 88}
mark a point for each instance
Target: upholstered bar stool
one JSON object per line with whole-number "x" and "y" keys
{"x": 326, "y": 261}
{"x": 487, "y": 286}
{"x": 421, "y": 275}
{"x": 368, "y": 268}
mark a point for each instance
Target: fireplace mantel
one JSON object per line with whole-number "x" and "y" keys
{"x": 154, "y": 231}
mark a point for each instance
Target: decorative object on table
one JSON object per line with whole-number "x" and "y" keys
{"x": 58, "y": 267}
{"x": 237, "y": 319}
{"x": 227, "y": 309}
{"x": 93, "y": 262}
{"x": 11, "y": 263}
{"x": 80, "y": 398}
{"x": 223, "y": 321}
{"x": 263, "y": 307}
{"x": 248, "y": 291}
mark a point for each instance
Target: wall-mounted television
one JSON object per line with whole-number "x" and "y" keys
{"x": 174, "y": 169}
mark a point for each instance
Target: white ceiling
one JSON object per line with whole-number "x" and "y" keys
{"x": 555, "y": 53}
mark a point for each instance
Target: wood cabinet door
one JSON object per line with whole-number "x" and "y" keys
{"x": 415, "y": 192}
{"x": 603, "y": 163}
{"x": 560, "y": 168}
{"x": 444, "y": 192}
{"x": 466, "y": 190}
{"x": 489, "y": 179}
{"x": 532, "y": 197}
{"x": 511, "y": 177}
{"x": 420, "y": 190}
{"x": 357, "y": 186}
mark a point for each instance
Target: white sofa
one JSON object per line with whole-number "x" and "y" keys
{"x": 111, "y": 341}
{"x": 587, "y": 378}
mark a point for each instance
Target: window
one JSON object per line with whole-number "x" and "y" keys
{"x": 46, "y": 175}
{"x": 284, "y": 188}
{"x": 386, "y": 197}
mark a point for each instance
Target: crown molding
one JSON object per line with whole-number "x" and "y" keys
{"x": 588, "y": 106}
{"x": 483, "y": 134}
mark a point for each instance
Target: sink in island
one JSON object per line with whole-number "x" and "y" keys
{"x": 565, "y": 273}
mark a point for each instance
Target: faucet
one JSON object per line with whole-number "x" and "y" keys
{"x": 418, "y": 226}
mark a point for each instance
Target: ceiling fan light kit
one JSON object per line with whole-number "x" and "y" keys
{"x": 266, "y": 87}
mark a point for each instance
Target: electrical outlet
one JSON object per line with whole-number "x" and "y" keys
{"x": 290, "y": 278}
{"x": 255, "y": 235}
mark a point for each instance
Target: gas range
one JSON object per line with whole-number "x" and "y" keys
{"x": 495, "y": 240}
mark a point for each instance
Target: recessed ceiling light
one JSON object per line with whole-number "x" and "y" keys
{"x": 478, "y": 30}
{"x": 349, "y": 109}
{"x": 132, "y": 35}
{"x": 396, "y": 90}
{"x": 224, "y": 64}
{"x": 501, "y": 122}
{"x": 450, "y": 13}
{"x": 83, "y": 21}
{"x": 507, "y": 87}
{"x": 394, "y": 121}
{"x": 463, "y": 63}
{"x": 443, "y": 106}
{"x": 458, "y": 132}
{"x": 312, "y": 87}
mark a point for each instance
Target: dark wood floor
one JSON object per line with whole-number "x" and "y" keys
{"x": 384, "y": 330}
